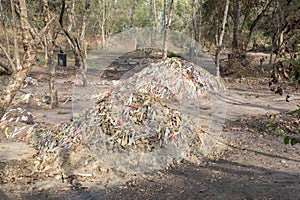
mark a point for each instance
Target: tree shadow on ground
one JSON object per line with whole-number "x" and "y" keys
{"x": 220, "y": 179}
{"x": 249, "y": 104}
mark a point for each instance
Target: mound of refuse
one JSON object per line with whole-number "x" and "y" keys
{"x": 138, "y": 126}
{"x": 173, "y": 78}
{"x": 16, "y": 122}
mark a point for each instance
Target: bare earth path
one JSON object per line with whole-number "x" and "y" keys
{"x": 252, "y": 166}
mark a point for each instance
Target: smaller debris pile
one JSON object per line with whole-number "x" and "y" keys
{"x": 30, "y": 81}
{"x": 12, "y": 123}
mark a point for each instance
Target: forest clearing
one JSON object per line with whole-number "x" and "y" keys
{"x": 148, "y": 100}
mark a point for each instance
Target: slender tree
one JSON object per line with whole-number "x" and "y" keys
{"x": 219, "y": 41}
{"x": 257, "y": 19}
{"x": 154, "y": 24}
{"x": 104, "y": 14}
{"x": 4, "y": 27}
{"x": 77, "y": 41}
{"x": 197, "y": 19}
{"x": 166, "y": 22}
{"x": 236, "y": 24}
{"x": 15, "y": 36}
{"x": 49, "y": 43}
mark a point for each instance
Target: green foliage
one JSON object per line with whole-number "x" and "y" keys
{"x": 296, "y": 68}
{"x": 279, "y": 132}
{"x": 287, "y": 139}
{"x": 296, "y": 112}
{"x": 41, "y": 58}
{"x": 182, "y": 17}
{"x": 270, "y": 126}
{"x": 172, "y": 54}
{"x": 296, "y": 71}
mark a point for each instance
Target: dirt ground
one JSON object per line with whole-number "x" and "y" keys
{"x": 248, "y": 163}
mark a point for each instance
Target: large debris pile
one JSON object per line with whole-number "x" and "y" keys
{"x": 136, "y": 117}
{"x": 129, "y": 121}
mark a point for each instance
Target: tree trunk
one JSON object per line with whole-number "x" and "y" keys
{"x": 83, "y": 73}
{"x": 77, "y": 58}
{"x": 154, "y": 25}
{"x": 197, "y": 19}
{"x": 167, "y": 22}
{"x": 83, "y": 42}
{"x": 46, "y": 49}
{"x": 103, "y": 35}
{"x": 194, "y": 22}
{"x": 78, "y": 43}
{"x": 22, "y": 71}
{"x": 15, "y": 35}
{"x": 71, "y": 16}
{"x": 235, "y": 38}
{"x": 103, "y": 21}
{"x": 271, "y": 53}
{"x": 165, "y": 30}
{"x": 132, "y": 13}
{"x": 14, "y": 84}
{"x": 52, "y": 82}
{"x": 220, "y": 42}
{"x": 258, "y": 17}
{"x": 4, "y": 28}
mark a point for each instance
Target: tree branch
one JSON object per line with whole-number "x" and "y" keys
{"x": 63, "y": 7}
{"x": 258, "y": 17}
{"x": 8, "y": 57}
{"x": 70, "y": 38}
{"x": 42, "y": 32}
